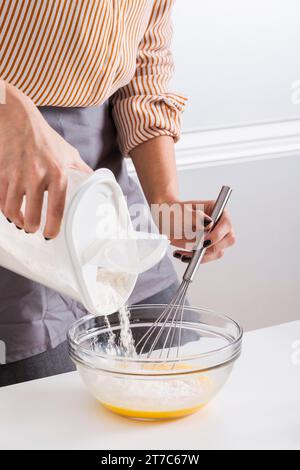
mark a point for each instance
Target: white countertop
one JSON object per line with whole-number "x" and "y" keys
{"x": 259, "y": 408}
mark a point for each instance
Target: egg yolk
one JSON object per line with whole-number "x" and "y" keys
{"x": 144, "y": 414}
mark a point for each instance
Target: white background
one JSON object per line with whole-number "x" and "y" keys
{"x": 236, "y": 60}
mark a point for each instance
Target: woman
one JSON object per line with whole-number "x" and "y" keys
{"x": 75, "y": 74}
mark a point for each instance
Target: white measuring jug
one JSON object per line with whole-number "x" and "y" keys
{"x": 97, "y": 255}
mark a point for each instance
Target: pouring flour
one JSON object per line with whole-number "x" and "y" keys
{"x": 97, "y": 256}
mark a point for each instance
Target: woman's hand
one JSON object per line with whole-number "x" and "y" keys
{"x": 33, "y": 159}
{"x": 156, "y": 168}
{"x": 216, "y": 240}
{"x": 186, "y": 223}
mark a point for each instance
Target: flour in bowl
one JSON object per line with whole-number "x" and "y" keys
{"x": 160, "y": 395}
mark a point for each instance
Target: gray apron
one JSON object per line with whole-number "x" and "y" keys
{"x": 33, "y": 318}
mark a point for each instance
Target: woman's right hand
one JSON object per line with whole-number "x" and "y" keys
{"x": 33, "y": 159}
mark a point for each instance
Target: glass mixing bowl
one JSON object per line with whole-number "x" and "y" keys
{"x": 154, "y": 388}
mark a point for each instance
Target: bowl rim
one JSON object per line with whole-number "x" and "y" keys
{"x": 119, "y": 359}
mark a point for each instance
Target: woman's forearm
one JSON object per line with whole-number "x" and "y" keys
{"x": 155, "y": 165}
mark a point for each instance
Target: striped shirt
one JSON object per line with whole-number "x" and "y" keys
{"x": 79, "y": 53}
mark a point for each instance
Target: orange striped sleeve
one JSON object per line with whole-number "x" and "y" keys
{"x": 145, "y": 108}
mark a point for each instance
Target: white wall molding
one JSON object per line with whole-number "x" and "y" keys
{"x": 237, "y": 144}
{"x": 199, "y": 148}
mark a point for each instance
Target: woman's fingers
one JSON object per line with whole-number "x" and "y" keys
{"x": 217, "y": 251}
{"x": 210, "y": 255}
{"x": 183, "y": 255}
{"x": 200, "y": 219}
{"x": 187, "y": 223}
{"x": 33, "y": 209}
{"x": 213, "y": 255}
{"x": 214, "y": 237}
{"x": 220, "y": 231}
{"x": 181, "y": 244}
{"x": 82, "y": 166}
{"x": 55, "y": 208}
{"x": 213, "y": 252}
{"x": 12, "y": 199}
{"x": 3, "y": 193}
{"x": 13, "y": 204}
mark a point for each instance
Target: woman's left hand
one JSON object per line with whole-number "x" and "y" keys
{"x": 155, "y": 164}
{"x": 217, "y": 240}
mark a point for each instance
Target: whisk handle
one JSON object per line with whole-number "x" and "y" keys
{"x": 199, "y": 250}
{"x": 220, "y": 204}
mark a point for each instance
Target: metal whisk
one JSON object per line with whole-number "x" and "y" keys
{"x": 170, "y": 321}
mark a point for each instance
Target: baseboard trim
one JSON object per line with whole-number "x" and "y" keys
{"x": 230, "y": 145}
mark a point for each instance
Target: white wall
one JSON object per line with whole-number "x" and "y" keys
{"x": 236, "y": 60}
{"x": 257, "y": 282}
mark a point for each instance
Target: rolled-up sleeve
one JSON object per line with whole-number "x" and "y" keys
{"x": 145, "y": 108}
